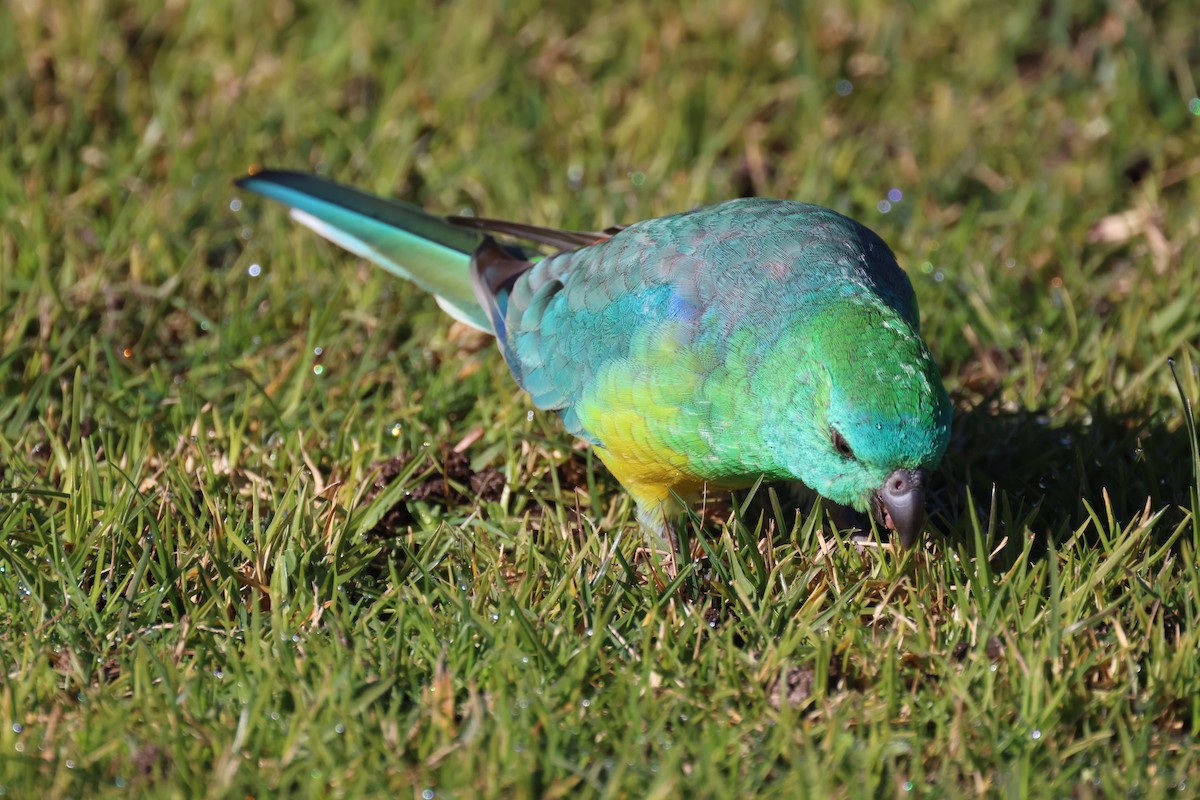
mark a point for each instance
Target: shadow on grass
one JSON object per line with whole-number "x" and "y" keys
{"x": 1046, "y": 471}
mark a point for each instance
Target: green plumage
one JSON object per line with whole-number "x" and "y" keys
{"x": 754, "y": 337}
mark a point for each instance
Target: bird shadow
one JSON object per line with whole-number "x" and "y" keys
{"x": 1047, "y": 473}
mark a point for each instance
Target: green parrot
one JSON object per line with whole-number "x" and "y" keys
{"x": 706, "y": 349}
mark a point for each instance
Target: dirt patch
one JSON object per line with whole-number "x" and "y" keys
{"x": 445, "y": 487}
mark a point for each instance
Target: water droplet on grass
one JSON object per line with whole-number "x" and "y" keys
{"x": 884, "y": 206}
{"x": 254, "y": 270}
{"x": 895, "y": 195}
{"x": 843, "y": 87}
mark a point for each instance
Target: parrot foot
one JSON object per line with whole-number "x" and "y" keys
{"x": 855, "y": 522}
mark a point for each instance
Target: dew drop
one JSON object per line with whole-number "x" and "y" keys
{"x": 843, "y": 87}
{"x": 235, "y": 205}
{"x": 254, "y": 270}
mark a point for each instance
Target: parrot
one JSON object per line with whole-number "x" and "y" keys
{"x": 747, "y": 340}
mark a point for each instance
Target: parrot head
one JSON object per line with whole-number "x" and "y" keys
{"x": 870, "y": 414}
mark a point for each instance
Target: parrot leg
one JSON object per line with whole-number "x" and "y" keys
{"x": 662, "y": 538}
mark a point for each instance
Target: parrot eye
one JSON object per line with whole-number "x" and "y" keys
{"x": 840, "y": 444}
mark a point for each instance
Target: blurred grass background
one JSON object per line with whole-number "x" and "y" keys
{"x": 271, "y": 525}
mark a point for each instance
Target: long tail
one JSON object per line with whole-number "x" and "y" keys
{"x": 402, "y": 239}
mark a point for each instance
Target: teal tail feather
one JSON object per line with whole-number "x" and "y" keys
{"x": 402, "y": 239}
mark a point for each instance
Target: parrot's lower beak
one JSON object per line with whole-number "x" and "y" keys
{"x": 899, "y": 504}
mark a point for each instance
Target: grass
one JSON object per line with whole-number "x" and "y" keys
{"x": 285, "y": 530}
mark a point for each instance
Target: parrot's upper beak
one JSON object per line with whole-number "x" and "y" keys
{"x": 900, "y": 503}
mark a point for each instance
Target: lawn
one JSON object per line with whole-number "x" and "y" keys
{"x": 272, "y": 525}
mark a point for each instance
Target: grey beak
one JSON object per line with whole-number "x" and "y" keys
{"x": 900, "y": 503}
